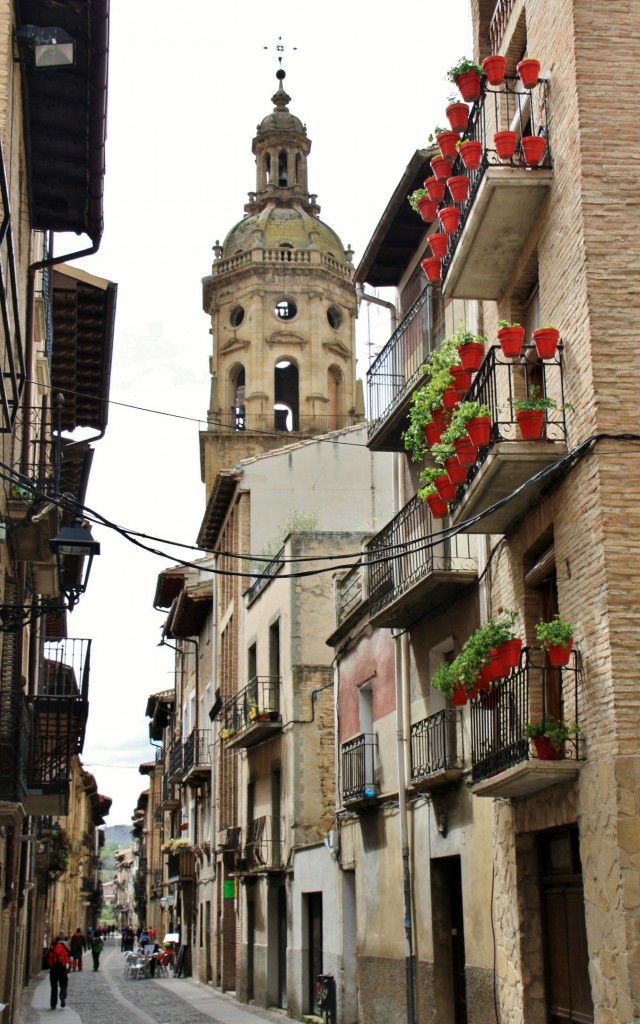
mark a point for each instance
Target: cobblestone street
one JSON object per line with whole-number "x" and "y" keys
{"x": 107, "y": 997}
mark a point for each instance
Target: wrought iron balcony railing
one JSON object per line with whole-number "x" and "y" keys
{"x": 264, "y": 847}
{"x": 277, "y": 420}
{"x": 534, "y": 692}
{"x": 408, "y": 572}
{"x": 175, "y": 762}
{"x": 14, "y": 746}
{"x": 196, "y": 753}
{"x": 253, "y": 713}
{"x": 169, "y": 794}
{"x": 499, "y": 20}
{"x": 395, "y": 373}
{"x": 267, "y": 573}
{"x": 358, "y": 768}
{"x": 349, "y": 594}
{"x": 437, "y": 748}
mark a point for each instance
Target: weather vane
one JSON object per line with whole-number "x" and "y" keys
{"x": 279, "y": 48}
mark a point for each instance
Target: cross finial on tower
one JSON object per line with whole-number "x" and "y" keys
{"x": 279, "y": 48}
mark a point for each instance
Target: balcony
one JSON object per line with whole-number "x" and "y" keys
{"x": 60, "y": 712}
{"x": 410, "y": 574}
{"x": 395, "y": 373}
{"x": 197, "y": 757}
{"x": 505, "y": 197}
{"x": 358, "y": 759}
{"x": 174, "y": 769}
{"x": 501, "y": 758}
{"x": 437, "y": 751}
{"x": 253, "y": 715}
{"x": 181, "y": 866}
{"x": 266, "y": 575}
{"x": 14, "y": 752}
{"x": 263, "y": 849}
{"x": 170, "y": 798}
{"x": 495, "y": 497}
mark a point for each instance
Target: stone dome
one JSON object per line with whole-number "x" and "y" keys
{"x": 288, "y": 226}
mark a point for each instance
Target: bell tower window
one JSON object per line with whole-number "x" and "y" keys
{"x": 267, "y": 168}
{"x": 286, "y": 309}
{"x": 283, "y": 179}
{"x": 286, "y": 406}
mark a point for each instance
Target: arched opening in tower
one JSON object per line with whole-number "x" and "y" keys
{"x": 238, "y": 402}
{"x": 287, "y": 401}
{"x": 267, "y": 168}
{"x": 334, "y": 395}
{"x": 283, "y": 178}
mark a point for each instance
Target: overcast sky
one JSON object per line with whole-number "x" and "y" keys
{"x": 188, "y": 84}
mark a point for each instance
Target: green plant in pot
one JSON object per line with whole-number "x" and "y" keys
{"x": 444, "y": 678}
{"x": 426, "y": 401}
{"x": 511, "y": 337}
{"x": 466, "y": 74}
{"x": 556, "y": 636}
{"x": 529, "y": 412}
{"x": 549, "y": 737}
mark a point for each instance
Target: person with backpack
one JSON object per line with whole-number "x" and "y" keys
{"x": 77, "y": 945}
{"x": 58, "y": 962}
{"x": 97, "y": 945}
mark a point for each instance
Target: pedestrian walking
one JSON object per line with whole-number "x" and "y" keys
{"x": 58, "y": 963}
{"x": 97, "y": 945}
{"x": 77, "y": 946}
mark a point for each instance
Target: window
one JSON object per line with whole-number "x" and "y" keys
{"x": 286, "y": 309}
{"x": 334, "y": 316}
{"x": 236, "y": 316}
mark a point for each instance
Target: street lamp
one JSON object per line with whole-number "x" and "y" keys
{"x": 47, "y": 48}
{"x": 71, "y": 547}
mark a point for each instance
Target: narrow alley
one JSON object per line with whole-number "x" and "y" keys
{"x": 108, "y": 997}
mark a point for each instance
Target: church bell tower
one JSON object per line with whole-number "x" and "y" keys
{"x": 283, "y": 307}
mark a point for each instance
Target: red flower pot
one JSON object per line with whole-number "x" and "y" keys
{"x": 458, "y": 187}
{"x": 455, "y": 471}
{"x": 479, "y": 431}
{"x": 495, "y": 665}
{"x": 546, "y": 750}
{"x": 437, "y": 506}
{"x": 505, "y": 143}
{"x": 546, "y": 341}
{"x": 446, "y": 489}
{"x": 458, "y": 117}
{"x": 433, "y": 431}
{"x": 439, "y": 244}
{"x": 427, "y": 209}
{"x": 441, "y": 167}
{"x": 469, "y": 86}
{"x": 435, "y": 189}
{"x": 471, "y": 154}
{"x": 431, "y": 267}
{"x": 511, "y": 340}
{"x": 447, "y": 144}
{"x": 459, "y": 697}
{"x": 494, "y": 68}
{"x": 531, "y": 423}
{"x": 451, "y": 398}
{"x": 471, "y": 355}
{"x": 449, "y": 218}
{"x": 533, "y": 148}
{"x": 529, "y": 71}
{"x": 490, "y": 699}
{"x": 559, "y": 656}
{"x": 467, "y": 453}
{"x": 461, "y": 378}
{"x": 509, "y": 654}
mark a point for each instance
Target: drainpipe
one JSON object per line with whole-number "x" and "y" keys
{"x": 402, "y": 686}
{"x": 362, "y": 296}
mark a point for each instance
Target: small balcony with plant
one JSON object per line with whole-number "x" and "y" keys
{"x": 396, "y": 371}
{"x": 196, "y": 757}
{"x": 490, "y": 178}
{"x": 359, "y": 770}
{"x": 254, "y": 714}
{"x": 437, "y": 750}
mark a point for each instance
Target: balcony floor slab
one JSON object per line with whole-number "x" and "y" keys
{"x": 501, "y": 217}
{"x": 422, "y": 597}
{"x": 253, "y": 734}
{"x": 527, "y": 777}
{"x": 508, "y": 465}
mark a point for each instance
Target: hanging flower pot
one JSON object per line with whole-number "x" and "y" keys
{"x": 546, "y": 341}
{"x": 438, "y": 244}
{"x": 490, "y": 700}
{"x": 479, "y": 430}
{"x": 451, "y": 398}
{"x": 546, "y": 750}
{"x": 509, "y": 654}
{"x": 441, "y": 167}
{"x": 435, "y": 189}
{"x": 471, "y": 355}
{"x": 461, "y": 378}
{"x": 437, "y": 506}
{"x": 469, "y": 86}
{"x": 434, "y": 430}
{"x": 471, "y": 154}
{"x": 529, "y": 71}
{"x": 456, "y": 472}
{"x": 458, "y": 117}
{"x": 449, "y": 218}
{"x": 559, "y": 655}
{"x": 505, "y": 143}
{"x": 531, "y": 423}
{"x": 446, "y": 489}
{"x": 431, "y": 267}
{"x": 447, "y": 142}
{"x": 466, "y": 451}
{"x": 511, "y": 340}
{"x": 459, "y": 696}
{"x": 494, "y": 68}
{"x": 533, "y": 148}
{"x": 427, "y": 209}
{"x": 458, "y": 187}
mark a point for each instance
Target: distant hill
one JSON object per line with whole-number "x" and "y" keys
{"x": 117, "y": 835}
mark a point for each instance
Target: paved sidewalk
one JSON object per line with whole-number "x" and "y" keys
{"x": 106, "y": 997}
